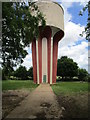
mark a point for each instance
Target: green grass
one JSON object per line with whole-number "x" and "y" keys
{"x": 70, "y": 87}
{"x": 18, "y": 84}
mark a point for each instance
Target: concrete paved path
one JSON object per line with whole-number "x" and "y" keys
{"x": 41, "y": 103}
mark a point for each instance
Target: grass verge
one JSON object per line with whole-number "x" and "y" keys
{"x": 70, "y": 87}
{"x": 73, "y": 99}
{"x": 18, "y": 84}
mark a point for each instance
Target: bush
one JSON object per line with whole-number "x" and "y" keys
{"x": 83, "y": 75}
{"x": 30, "y": 73}
{"x": 21, "y": 73}
{"x": 67, "y": 68}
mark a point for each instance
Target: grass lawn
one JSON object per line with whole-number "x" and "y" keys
{"x": 73, "y": 98}
{"x": 18, "y": 84}
{"x": 70, "y": 87}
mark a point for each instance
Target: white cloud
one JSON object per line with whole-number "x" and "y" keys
{"x": 67, "y": 16}
{"x": 71, "y": 1}
{"x": 67, "y": 46}
{"x": 78, "y": 53}
{"x": 28, "y": 61}
{"x": 72, "y": 32}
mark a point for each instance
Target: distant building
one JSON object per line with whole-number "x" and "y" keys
{"x": 45, "y": 49}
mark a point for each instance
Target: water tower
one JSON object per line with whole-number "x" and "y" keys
{"x": 45, "y": 49}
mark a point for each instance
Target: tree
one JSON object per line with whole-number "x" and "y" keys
{"x": 30, "y": 72}
{"x": 87, "y": 28}
{"x": 0, "y": 73}
{"x": 82, "y": 74}
{"x": 21, "y": 73}
{"x": 6, "y": 72}
{"x": 66, "y": 67}
{"x": 88, "y": 77}
{"x": 19, "y": 27}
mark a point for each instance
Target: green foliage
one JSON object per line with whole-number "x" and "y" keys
{"x": 19, "y": 27}
{"x": 83, "y": 75}
{"x": 87, "y": 28}
{"x": 70, "y": 87}
{"x": 18, "y": 84}
{"x": 0, "y": 73}
{"x": 30, "y": 72}
{"x": 6, "y": 72}
{"x": 66, "y": 67}
{"x": 21, "y": 73}
{"x": 88, "y": 77}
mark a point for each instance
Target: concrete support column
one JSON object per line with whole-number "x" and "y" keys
{"x": 55, "y": 53}
{"x": 47, "y": 33}
{"x": 56, "y": 39}
{"x": 40, "y": 58}
{"x": 37, "y": 62}
{"x": 44, "y": 60}
{"x": 34, "y": 61}
{"x": 49, "y": 56}
{"x": 51, "y": 61}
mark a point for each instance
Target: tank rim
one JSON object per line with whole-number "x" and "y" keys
{"x": 51, "y": 2}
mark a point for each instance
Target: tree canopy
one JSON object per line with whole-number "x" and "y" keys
{"x": 19, "y": 27}
{"x": 87, "y": 28}
{"x": 66, "y": 67}
{"x": 82, "y": 74}
{"x": 21, "y": 73}
{"x": 30, "y": 72}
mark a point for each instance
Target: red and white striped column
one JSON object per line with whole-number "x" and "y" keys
{"x": 44, "y": 56}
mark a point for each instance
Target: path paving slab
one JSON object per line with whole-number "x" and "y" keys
{"x": 40, "y": 103}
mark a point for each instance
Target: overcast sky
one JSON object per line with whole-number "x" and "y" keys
{"x": 72, "y": 45}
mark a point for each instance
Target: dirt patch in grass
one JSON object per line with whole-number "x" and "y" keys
{"x": 74, "y": 106}
{"x": 11, "y": 99}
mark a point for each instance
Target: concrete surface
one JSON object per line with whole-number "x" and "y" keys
{"x": 53, "y": 13}
{"x": 41, "y": 103}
